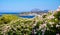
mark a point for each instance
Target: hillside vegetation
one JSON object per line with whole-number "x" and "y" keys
{"x": 48, "y": 24}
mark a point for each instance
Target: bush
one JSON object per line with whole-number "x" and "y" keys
{"x": 48, "y": 24}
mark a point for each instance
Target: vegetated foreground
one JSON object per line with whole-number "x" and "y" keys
{"x": 48, "y": 24}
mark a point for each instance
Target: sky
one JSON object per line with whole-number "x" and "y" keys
{"x": 28, "y": 5}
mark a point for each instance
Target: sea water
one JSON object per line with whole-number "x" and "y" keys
{"x": 27, "y": 16}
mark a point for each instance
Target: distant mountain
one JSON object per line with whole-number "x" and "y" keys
{"x": 45, "y": 10}
{"x": 38, "y": 10}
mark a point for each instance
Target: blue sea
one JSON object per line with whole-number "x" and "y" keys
{"x": 27, "y": 16}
